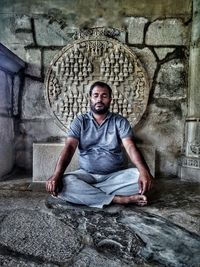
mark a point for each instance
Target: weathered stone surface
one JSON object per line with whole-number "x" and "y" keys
{"x": 24, "y": 159}
{"x": 45, "y": 156}
{"x": 8, "y": 34}
{"x": 187, "y": 173}
{"x": 22, "y": 22}
{"x": 33, "y": 131}
{"x": 162, "y": 52}
{"x": 48, "y": 34}
{"x": 160, "y": 124}
{"x": 172, "y": 246}
{"x": 6, "y": 125}
{"x": 38, "y": 131}
{"x": 90, "y": 258}
{"x": 135, "y": 29}
{"x": 194, "y": 92}
{"x": 33, "y": 102}
{"x": 148, "y": 60}
{"x": 182, "y": 209}
{"x": 167, "y": 32}
{"x": 103, "y": 231}
{"x": 39, "y": 235}
{"x": 26, "y": 213}
{"x": 111, "y": 9}
{"x": 18, "y": 49}
{"x": 8, "y": 261}
{"x": 196, "y": 23}
{"x": 48, "y": 55}
{"x": 7, "y": 145}
{"x": 171, "y": 81}
{"x": 33, "y": 58}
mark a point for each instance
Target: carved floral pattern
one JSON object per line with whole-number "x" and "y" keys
{"x": 86, "y": 60}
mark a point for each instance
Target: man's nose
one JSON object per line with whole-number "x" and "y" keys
{"x": 99, "y": 98}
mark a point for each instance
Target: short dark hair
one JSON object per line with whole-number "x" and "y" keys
{"x": 101, "y": 84}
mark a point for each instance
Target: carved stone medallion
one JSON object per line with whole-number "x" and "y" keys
{"x": 91, "y": 58}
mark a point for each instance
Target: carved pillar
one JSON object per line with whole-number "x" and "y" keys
{"x": 190, "y": 162}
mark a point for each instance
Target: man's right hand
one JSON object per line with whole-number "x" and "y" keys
{"x": 52, "y": 185}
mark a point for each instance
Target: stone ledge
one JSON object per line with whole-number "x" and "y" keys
{"x": 189, "y": 169}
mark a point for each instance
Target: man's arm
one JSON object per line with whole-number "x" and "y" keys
{"x": 62, "y": 163}
{"x": 145, "y": 180}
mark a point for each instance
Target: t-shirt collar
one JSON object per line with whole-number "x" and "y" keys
{"x": 109, "y": 114}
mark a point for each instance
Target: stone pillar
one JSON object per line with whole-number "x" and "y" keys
{"x": 190, "y": 162}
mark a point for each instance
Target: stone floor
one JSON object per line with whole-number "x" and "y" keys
{"x": 38, "y": 230}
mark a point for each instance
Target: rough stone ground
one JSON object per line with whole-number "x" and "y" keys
{"x": 37, "y": 230}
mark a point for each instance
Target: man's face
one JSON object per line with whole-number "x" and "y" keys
{"x": 100, "y": 100}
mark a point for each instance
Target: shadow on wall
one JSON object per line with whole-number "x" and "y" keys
{"x": 11, "y": 69}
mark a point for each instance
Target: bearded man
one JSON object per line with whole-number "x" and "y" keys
{"x": 102, "y": 178}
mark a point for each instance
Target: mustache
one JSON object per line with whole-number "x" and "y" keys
{"x": 99, "y": 103}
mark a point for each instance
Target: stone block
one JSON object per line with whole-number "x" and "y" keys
{"x": 33, "y": 102}
{"x": 171, "y": 81}
{"x": 189, "y": 169}
{"x": 33, "y": 60}
{"x": 162, "y": 52}
{"x": 50, "y": 34}
{"x": 45, "y": 156}
{"x": 9, "y": 35}
{"x": 22, "y": 22}
{"x": 148, "y": 60}
{"x": 135, "y": 29}
{"x": 167, "y": 32}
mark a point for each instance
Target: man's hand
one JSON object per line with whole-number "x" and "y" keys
{"x": 52, "y": 185}
{"x": 145, "y": 182}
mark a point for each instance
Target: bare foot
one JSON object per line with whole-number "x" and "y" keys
{"x": 140, "y": 200}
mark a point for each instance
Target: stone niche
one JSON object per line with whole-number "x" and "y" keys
{"x": 94, "y": 54}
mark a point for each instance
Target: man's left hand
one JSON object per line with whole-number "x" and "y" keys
{"x": 145, "y": 182}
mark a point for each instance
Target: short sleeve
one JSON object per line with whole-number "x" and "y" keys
{"x": 75, "y": 128}
{"x": 124, "y": 128}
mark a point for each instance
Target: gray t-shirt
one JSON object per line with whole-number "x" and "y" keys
{"x": 100, "y": 145}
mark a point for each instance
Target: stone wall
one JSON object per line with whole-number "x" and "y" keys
{"x": 158, "y": 34}
{"x": 7, "y": 125}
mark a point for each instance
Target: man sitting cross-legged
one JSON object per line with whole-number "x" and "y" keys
{"x": 102, "y": 178}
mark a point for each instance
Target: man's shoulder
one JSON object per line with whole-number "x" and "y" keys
{"x": 82, "y": 117}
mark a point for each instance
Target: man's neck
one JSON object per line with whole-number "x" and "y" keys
{"x": 99, "y": 118}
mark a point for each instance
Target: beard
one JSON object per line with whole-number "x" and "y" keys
{"x": 101, "y": 110}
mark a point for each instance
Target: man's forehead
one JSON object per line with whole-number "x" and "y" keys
{"x": 99, "y": 89}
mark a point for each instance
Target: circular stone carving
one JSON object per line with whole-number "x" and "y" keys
{"x": 87, "y": 60}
